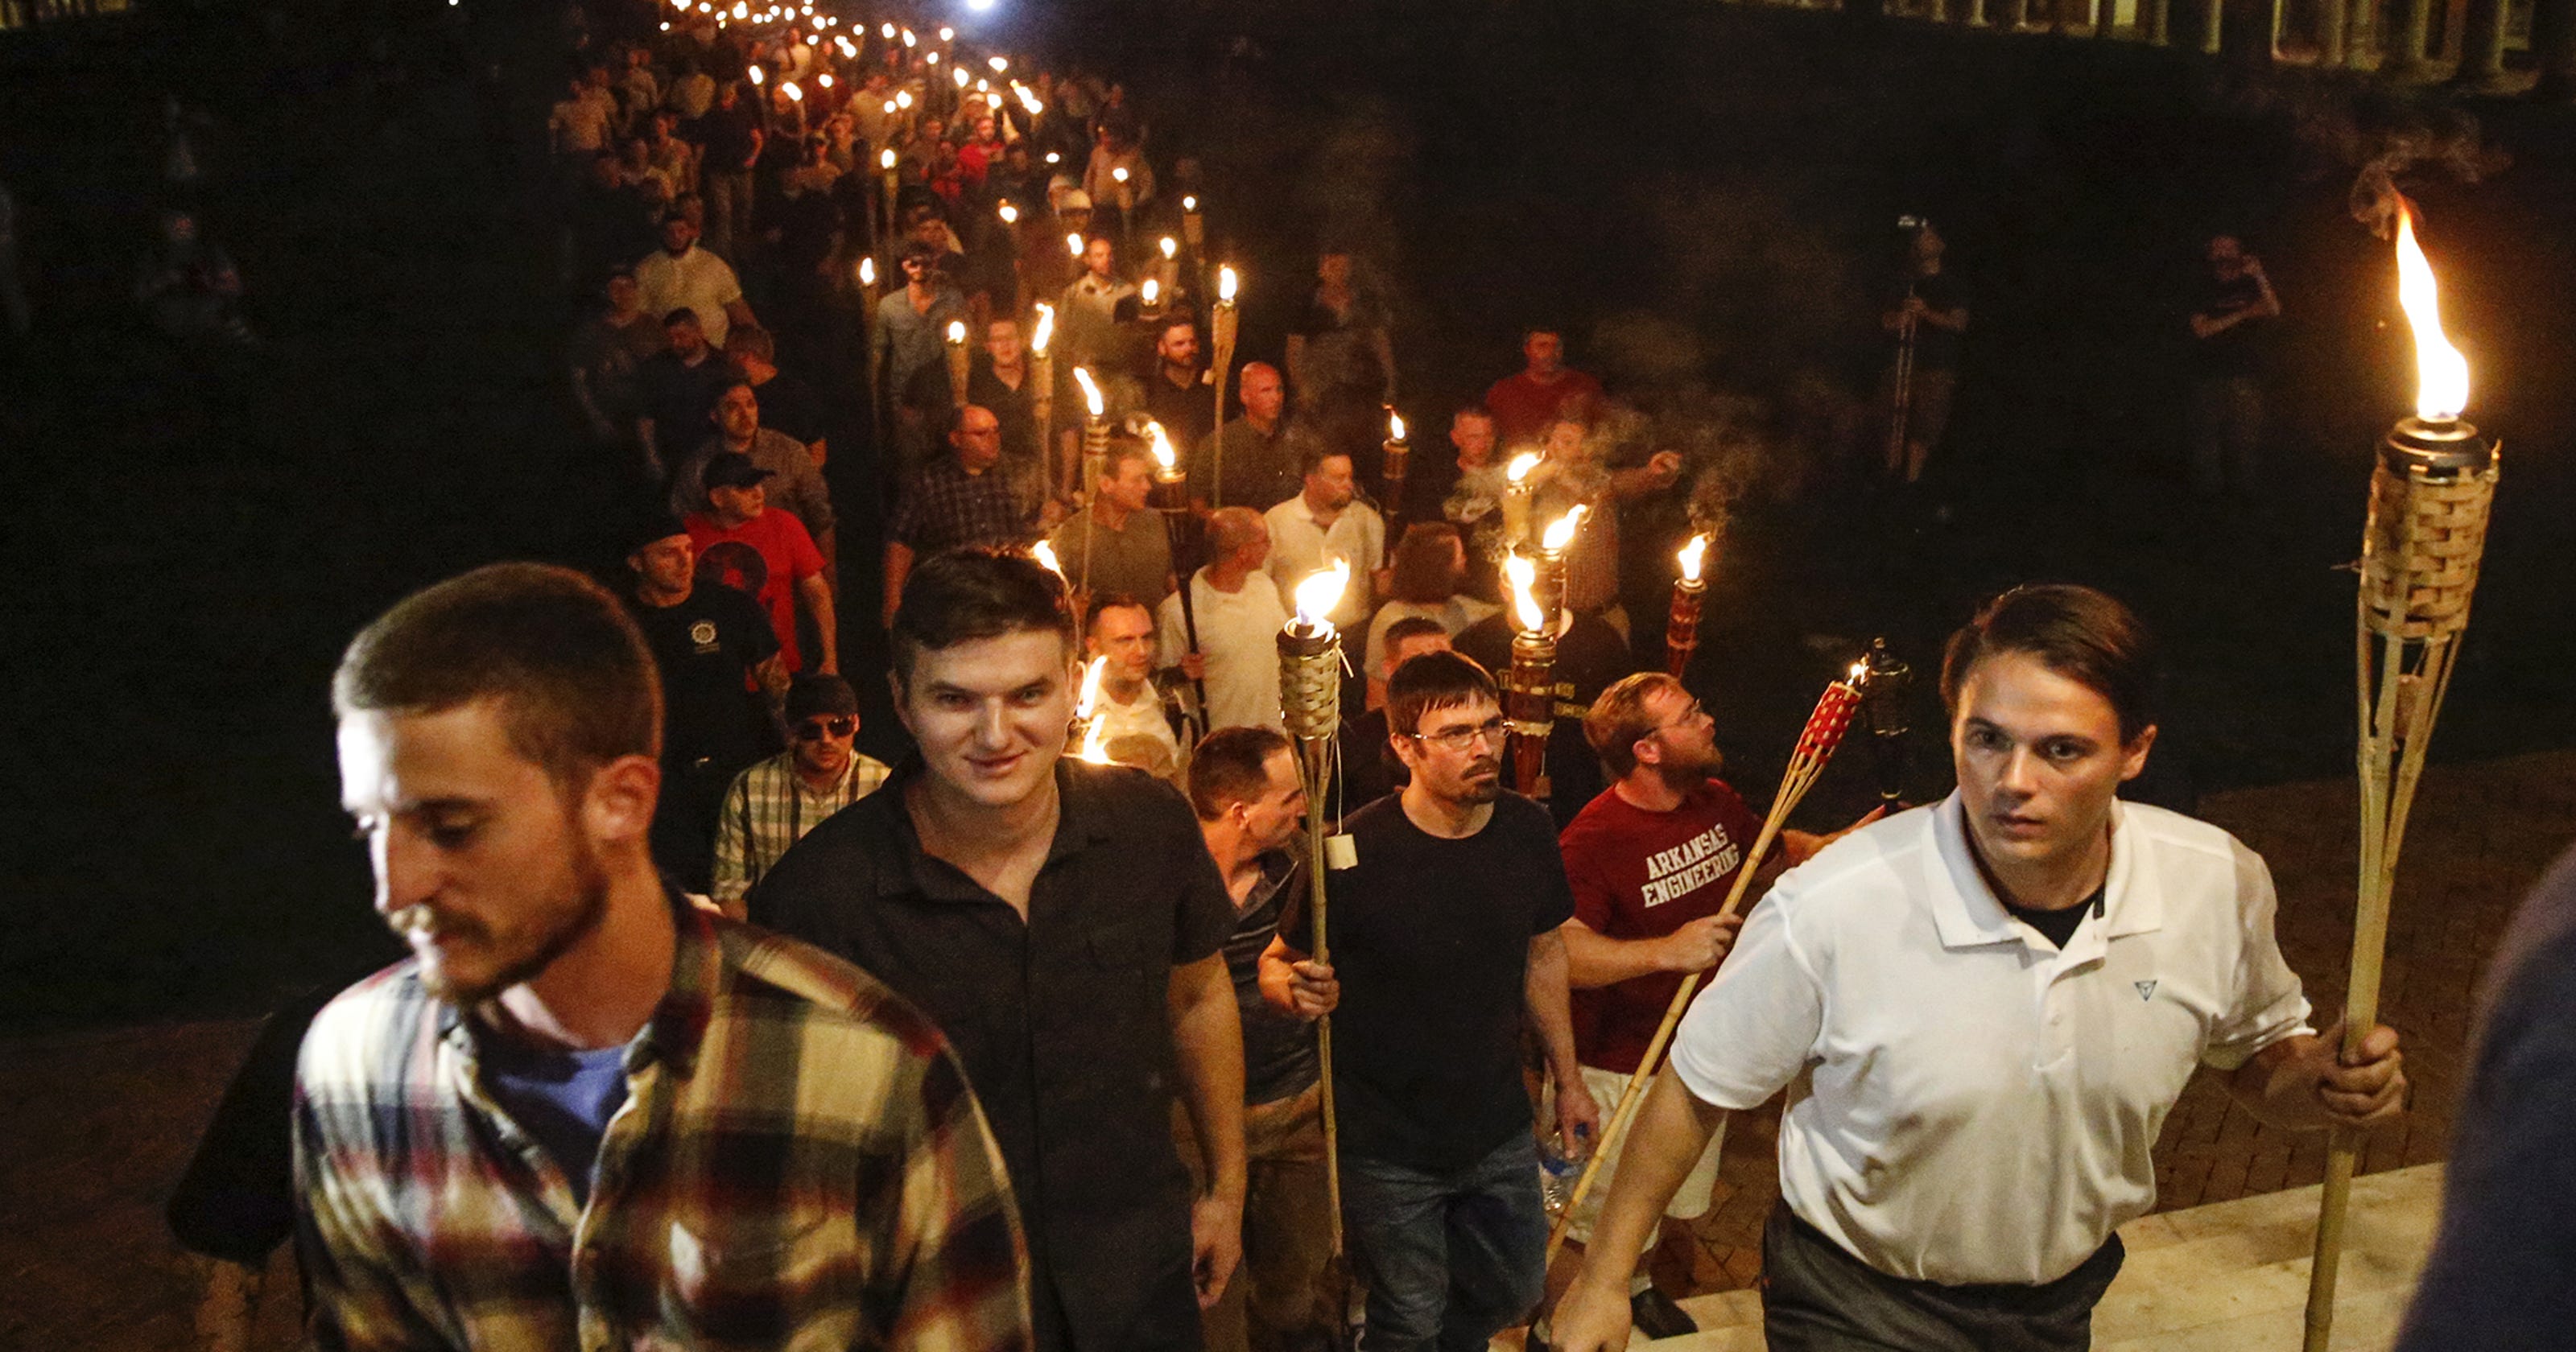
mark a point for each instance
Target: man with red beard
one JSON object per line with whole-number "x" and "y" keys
{"x": 586, "y": 1112}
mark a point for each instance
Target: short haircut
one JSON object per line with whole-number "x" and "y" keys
{"x": 2084, "y": 635}
{"x": 1424, "y": 565}
{"x": 1406, "y": 630}
{"x": 1102, "y": 605}
{"x": 974, "y": 593}
{"x": 1232, "y": 766}
{"x": 1311, "y": 458}
{"x": 1179, "y": 319}
{"x": 1231, "y": 528}
{"x": 1472, "y": 413}
{"x": 1616, "y": 720}
{"x": 1533, "y": 330}
{"x": 751, "y": 340}
{"x": 1430, "y": 682}
{"x": 1120, "y": 452}
{"x": 683, "y": 315}
{"x": 574, "y": 680}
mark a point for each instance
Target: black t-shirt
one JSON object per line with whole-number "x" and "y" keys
{"x": 677, "y": 397}
{"x": 1430, "y": 939}
{"x": 2059, "y": 925}
{"x": 2238, "y": 349}
{"x": 1935, "y": 348}
{"x": 727, "y": 135}
{"x": 705, "y": 648}
{"x": 791, "y": 406}
{"x": 1015, "y": 409}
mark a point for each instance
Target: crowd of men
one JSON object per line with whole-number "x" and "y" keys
{"x": 717, "y": 1032}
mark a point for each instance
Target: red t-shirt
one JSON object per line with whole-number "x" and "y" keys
{"x": 765, "y": 558}
{"x": 1642, "y": 875}
{"x": 1523, "y": 407}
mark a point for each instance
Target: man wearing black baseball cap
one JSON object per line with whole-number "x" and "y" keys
{"x": 774, "y": 803}
{"x": 767, "y": 555}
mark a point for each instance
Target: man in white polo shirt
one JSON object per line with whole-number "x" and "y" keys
{"x": 1324, "y": 522}
{"x": 1994, "y": 1002}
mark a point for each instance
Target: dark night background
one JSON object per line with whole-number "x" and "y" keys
{"x": 1703, "y": 195}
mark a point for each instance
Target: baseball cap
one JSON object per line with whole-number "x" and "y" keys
{"x": 1075, "y": 199}
{"x": 651, "y": 526}
{"x": 731, "y": 469}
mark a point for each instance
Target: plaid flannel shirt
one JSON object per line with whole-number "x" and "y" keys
{"x": 945, "y": 507}
{"x": 799, "y": 1165}
{"x": 767, "y": 809}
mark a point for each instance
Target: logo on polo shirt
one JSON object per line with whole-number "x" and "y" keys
{"x": 2146, "y": 989}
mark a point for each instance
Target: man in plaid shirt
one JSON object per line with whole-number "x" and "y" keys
{"x": 772, "y": 804}
{"x": 586, "y": 1114}
{"x": 958, "y": 499}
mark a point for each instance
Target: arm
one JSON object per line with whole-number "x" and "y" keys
{"x": 770, "y": 674}
{"x": 1671, "y": 1129}
{"x": 591, "y": 412}
{"x": 818, "y": 603}
{"x": 1207, "y": 1037}
{"x": 1294, "y": 983}
{"x": 1594, "y": 959}
{"x": 2302, "y": 1083}
{"x": 738, "y": 313}
{"x": 1543, "y": 989}
{"x": 898, "y": 566}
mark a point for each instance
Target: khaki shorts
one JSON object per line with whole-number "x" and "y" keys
{"x": 1690, "y": 1200}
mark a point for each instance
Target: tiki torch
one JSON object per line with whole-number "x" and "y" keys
{"x": 1890, "y": 679}
{"x": 957, "y": 361}
{"x": 1516, "y": 498}
{"x": 1397, "y": 452}
{"x": 1193, "y": 225}
{"x": 1042, "y": 391}
{"x": 1681, "y": 627}
{"x": 1816, "y": 742}
{"x": 868, "y": 333}
{"x": 1222, "y": 323}
{"x": 1171, "y": 500}
{"x": 1171, "y": 270}
{"x": 1552, "y": 546}
{"x": 1095, "y": 458}
{"x": 2430, "y": 492}
{"x": 1529, "y": 685}
{"x": 1149, "y": 298}
{"x": 1310, "y": 700}
{"x": 1087, "y": 736}
{"x": 889, "y": 186}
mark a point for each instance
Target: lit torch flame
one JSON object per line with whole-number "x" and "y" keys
{"x": 885, "y": 159}
{"x": 903, "y": 98}
{"x": 1521, "y": 465}
{"x": 1010, "y": 214}
{"x": 1090, "y": 393}
{"x": 1151, "y": 291}
{"x": 1164, "y": 456}
{"x": 1189, "y": 204}
{"x": 1046, "y": 329}
{"x": 1394, "y": 425}
{"x": 1319, "y": 593}
{"x": 1692, "y": 556}
{"x": 1045, "y": 553}
{"x": 794, "y": 95}
{"x": 1560, "y": 532}
{"x": 999, "y": 64}
{"x": 1073, "y": 243}
{"x": 1083, "y": 711}
{"x": 1225, "y": 284}
{"x": 1523, "y": 575}
{"x": 868, "y": 271}
{"x": 756, "y": 76}
{"x": 1171, "y": 248}
{"x": 1029, "y": 100}
{"x": 1119, "y": 174}
{"x": 2441, "y": 373}
{"x": 957, "y": 331}
{"x": 963, "y": 79}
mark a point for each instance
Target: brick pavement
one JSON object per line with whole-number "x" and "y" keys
{"x": 101, "y": 1122}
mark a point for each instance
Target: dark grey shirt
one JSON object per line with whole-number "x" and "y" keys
{"x": 1278, "y": 1048}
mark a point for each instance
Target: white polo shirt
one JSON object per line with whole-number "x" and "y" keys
{"x": 1300, "y": 546}
{"x": 1977, "y": 1106}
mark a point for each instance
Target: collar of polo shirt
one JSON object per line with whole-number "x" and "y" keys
{"x": 1968, "y": 915}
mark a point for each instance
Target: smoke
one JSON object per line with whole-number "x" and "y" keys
{"x": 2380, "y": 133}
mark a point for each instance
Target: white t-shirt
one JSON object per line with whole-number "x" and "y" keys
{"x": 1136, "y": 733}
{"x": 1299, "y": 547}
{"x": 581, "y": 124}
{"x": 697, "y": 280}
{"x": 1239, "y": 632}
{"x": 1974, "y": 1105}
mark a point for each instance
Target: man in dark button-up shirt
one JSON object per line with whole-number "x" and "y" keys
{"x": 1063, "y": 924}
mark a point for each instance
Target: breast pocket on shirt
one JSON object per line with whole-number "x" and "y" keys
{"x": 775, "y": 1281}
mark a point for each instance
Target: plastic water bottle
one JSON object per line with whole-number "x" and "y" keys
{"x": 1557, "y": 1172}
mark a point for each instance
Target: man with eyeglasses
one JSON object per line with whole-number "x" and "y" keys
{"x": 1651, "y": 861}
{"x": 774, "y": 803}
{"x": 1447, "y": 933}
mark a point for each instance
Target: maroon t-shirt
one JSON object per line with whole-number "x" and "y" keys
{"x": 764, "y": 558}
{"x": 1523, "y": 407}
{"x": 1641, "y": 875}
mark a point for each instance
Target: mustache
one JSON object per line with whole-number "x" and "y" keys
{"x": 424, "y": 917}
{"x": 1486, "y": 766}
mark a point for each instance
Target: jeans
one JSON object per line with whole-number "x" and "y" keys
{"x": 1450, "y": 1258}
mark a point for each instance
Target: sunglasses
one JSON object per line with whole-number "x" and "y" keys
{"x": 816, "y": 729}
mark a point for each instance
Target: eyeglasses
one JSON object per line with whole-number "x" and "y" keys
{"x": 1689, "y": 716}
{"x": 816, "y": 729}
{"x": 1460, "y": 739}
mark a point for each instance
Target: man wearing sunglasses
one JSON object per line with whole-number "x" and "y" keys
{"x": 774, "y": 803}
{"x": 1447, "y": 930}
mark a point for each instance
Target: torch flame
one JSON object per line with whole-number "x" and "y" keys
{"x": 1171, "y": 248}
{"x": 886, "y": 31}
{"x": 1319, "y": 593}
{"x": 824, "y": 79}
{"x": 889, "y": 107}
{"x": 1521, "y": 465}
{"x": 1090, "y": 392}
{"x": 1164, "y": 456}
{"x": 957, "y": 331}
{"x": 2441, "y": 373}
{"x": 1692, "y": 556}
{"x": 1073, "y": 243}
{"x": 903, "y": 98}
{"x": 885, "y": 159}
{"x": 1394, "y": 425}
{"x": 1225, "y": 284}
{"x": 1090, "y": 700}
{"x": 999, "y": 64}
{"x": 1029, "y": 100}
{"x": 1560, "y": 532}
{"x": 1523, "y": 575}
{"x": 1119, "y": 174}
{"x": 794, "y": 95}
{"x": 756, "y": 76}
{"x": 1046, "y": 328}
{"x": 1045, "y": 553}
{"x": 1151, "y": 291}
{"x": 868, "y": 271}
{"x": 963, "y": 79}
{"x": 1010, "y": 214}
{"x": 1189, "y": 204}
{"x": 947, "y": 34}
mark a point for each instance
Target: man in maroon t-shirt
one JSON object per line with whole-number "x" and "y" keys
{"x": 764, "y": 551}
{"x": 1525, "y": 402}
{"x": 1651, "y": 861}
